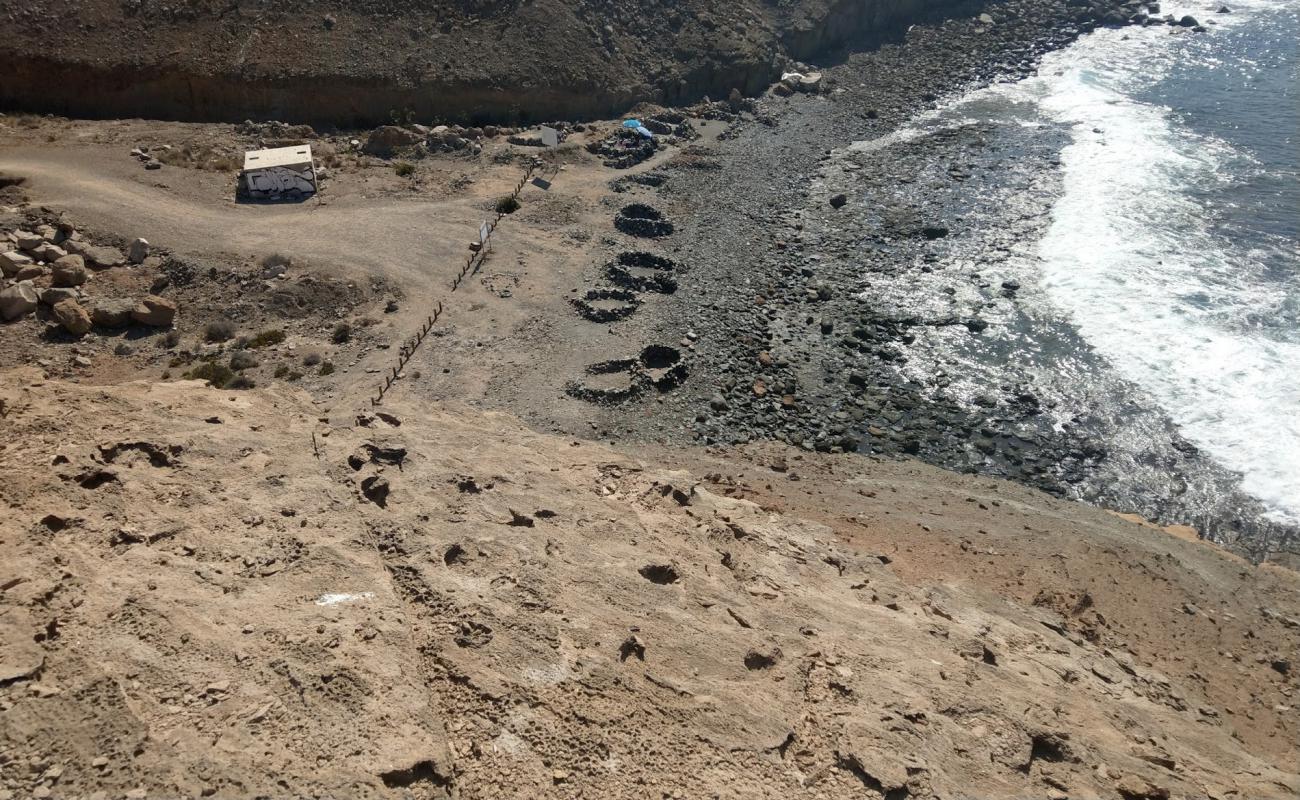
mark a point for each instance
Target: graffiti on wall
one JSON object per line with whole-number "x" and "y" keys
{"x": 280, "y": 181}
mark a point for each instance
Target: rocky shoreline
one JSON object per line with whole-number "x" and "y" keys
{"x": 878, "y": 298}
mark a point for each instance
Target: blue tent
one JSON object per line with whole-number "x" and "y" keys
{"x": 635, "y": 124}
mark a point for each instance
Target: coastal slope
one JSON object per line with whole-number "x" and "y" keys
{"x": 222, "y": 592}
{"x": 343, "y": 62}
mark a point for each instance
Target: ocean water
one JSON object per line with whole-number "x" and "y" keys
{"x": 1173, "y": 244}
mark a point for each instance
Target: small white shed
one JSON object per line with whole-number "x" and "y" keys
{"x": 279, "y": 173}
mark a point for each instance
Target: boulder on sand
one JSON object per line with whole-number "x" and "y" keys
{"x": 11, "y": 261}
{"x": 30, "y": 272}
{"x": 49, "y": 253}
{"x": 69, "y": 270}
{"x": 154, "y": 311}
{"x": 383, "y": 141}
{"x": 28, "y": 241}
{"x": 139, "y": 251}
{"x": 17, "y": 300}
{"x": 809, "y": 83}
{"x": 71, "y": 317}
{"x": 96, "y": 256}
{"x": 55, "y": 295}
{"x": 112, "y": 313}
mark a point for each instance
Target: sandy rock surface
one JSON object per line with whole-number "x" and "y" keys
{"x": 202, "y": 592}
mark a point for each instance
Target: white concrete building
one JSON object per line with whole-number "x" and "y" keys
{"x": 282, "y": 173}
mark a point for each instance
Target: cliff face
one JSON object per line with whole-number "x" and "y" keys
{"x": 207, "y": 592}
{"x": 353, "y": 63}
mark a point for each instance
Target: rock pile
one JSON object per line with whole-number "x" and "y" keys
{"x": 655, "y": 367}
{"x": 145, "y": 157}
{"x": 607, "y": 305}
{"x": 53, "y": 264}
{"x": 390, "y": 140}
{"x": 644, "y": 272}
{"x": 639, "y": 219}
{"x": 623, "y": 148}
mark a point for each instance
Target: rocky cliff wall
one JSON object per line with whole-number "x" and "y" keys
{"x": 542, "y": 60}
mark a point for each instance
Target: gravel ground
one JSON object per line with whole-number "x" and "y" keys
{"x": 904, "y": 322}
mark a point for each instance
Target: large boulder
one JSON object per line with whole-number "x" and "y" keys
{"x": 97, "y": 256}
{"x": 112, "y": 313}
{"x": 154, "y": 311}
{"x": 28, "y": 241}
{"x": 17, "y": 300}
{"x": 69, "y": 270}
{"x": 384, "y": 141}
{"x": 12, "y": 261}
{"x": 71, "y": 317}
{"x": 810, "y": 83}
{"x": 48, "y": 253}
{"x": 56, "y": 294}
{"x": 29, "y": 272}
{"x": 139, "y": 251}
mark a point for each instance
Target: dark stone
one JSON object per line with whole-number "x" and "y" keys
{"x": 661, "y": 574}
{"x": 375, "y": 489}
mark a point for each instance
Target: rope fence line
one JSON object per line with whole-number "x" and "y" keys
{"x": 476, "y": 257}
{"x": 405, "y": 352}
{"x": 472, "y": 265}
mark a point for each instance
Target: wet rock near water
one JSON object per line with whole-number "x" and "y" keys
{"x": 883, "y": 301}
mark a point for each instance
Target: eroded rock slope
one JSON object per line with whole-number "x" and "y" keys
{"x": 209, "y": 591}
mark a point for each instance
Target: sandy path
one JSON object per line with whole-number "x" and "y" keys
{"x": 415, "y": 243}
{"x": 403, "y": 240}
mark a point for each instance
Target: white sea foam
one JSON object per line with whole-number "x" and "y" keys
{"x": 1130, "y": 259}
{"x": 1128, "y": 252}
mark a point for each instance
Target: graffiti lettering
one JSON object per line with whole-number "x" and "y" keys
{"x": 276, "y": 181}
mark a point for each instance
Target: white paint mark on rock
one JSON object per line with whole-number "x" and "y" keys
{"x": 335, "y": 599}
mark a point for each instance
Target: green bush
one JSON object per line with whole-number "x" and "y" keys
{"x": 241, "y": 382}
{"x": 217, "y": 375}
{"x": 267, "y": 338}
{"x": 242, "y": 359}
{"x": 281, "y": 371}
{"x": 342, "y": 333}
{"x": 220, "y": 331}
{"x": 404, "y": 169}
{"x": 327, "y": 368}
{"x": 507, "y": 205}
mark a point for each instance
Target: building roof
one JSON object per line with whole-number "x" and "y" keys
{"x": 277, "y": 157}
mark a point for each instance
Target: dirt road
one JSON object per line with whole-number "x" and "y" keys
{"x": 509, "y": 337}
{"x": 195, "y": 214}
